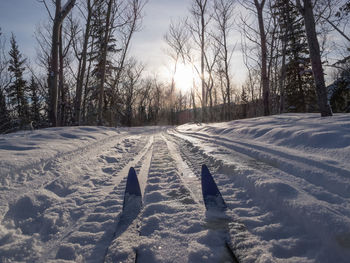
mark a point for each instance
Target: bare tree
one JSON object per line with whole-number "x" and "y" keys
{"x": 129, "y": 25}
{"x": 306, "y": 9}
{"x": 334, "y": 13}
{"x": 103, "y": 61}
{"x": 131, "y": 86}
{"x": 65, "y": 44}
{"x": 60, "y": 14}
{"x": 198, "y": 29}
{"x": 176, "y": 38}
{"x": 334, "y": 16}
{"x": 5, "y": 79}
{"x": 210, "y": 63}
{"x": 259, "y": 38}
{"x": 250, "y": 47}
{"x": 223, "y": 16}
{"x": 43, "y": 48}
{"x": 82, "y": 57}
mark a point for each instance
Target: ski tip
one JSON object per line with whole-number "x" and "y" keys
{"x": 208, "y": 184}
{"x": 132, "y": 195}
{"x": 205, "y": 169}
{"x": 132, "y": 183}
{"x": 211, "y": 194}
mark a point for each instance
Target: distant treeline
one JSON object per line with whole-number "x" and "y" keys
{"x": 84, "y": 74}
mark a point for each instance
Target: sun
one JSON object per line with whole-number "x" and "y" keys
{"x": 183, "y": 77}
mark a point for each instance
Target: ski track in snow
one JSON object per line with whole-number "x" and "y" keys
{"x": 289, "y": 179}
{"x": 248, "y": 217}
{"x": 72, "y": 206}
{"x": 282, "y": 205}
{"x": 169, "y": 213}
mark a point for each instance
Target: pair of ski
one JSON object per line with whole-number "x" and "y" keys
{"x": 213, "y": 200}
{"x": 211, "y": 195}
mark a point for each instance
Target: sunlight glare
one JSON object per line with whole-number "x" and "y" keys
{"x": 183, "y": 77}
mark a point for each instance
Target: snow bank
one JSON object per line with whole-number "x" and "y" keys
{"x": 27, "y": 148}
{"x": 294, "y": 165}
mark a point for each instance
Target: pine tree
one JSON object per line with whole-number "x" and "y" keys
{"x": 35, "y": 104}
{"x": 5, "y": 120}
{"x": 299, "y": 83}
{"x": 17, "y": 89}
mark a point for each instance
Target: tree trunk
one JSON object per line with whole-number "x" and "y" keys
{"x": 136, "y": 8}
{"x": 204, "y": 92}
{"x": 86, "y": 85}
{"x": 61, "y": 115}
{"x": 53, "y": 72}
{"x": 264, "y": 73}
{"x": 315, "y": 56}
{"x": 283, "y": 78}
{"x": 103, "y": 66}
{"x": 80, "y": 81}
{"x": 228, "y": 82}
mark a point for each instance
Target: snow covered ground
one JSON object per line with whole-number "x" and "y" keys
{"x": 285, "y": 180}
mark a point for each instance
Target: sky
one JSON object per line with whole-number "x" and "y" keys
{"x": 22, "y": 16}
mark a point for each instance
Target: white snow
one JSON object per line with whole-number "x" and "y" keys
{"x": 285, "y": 180}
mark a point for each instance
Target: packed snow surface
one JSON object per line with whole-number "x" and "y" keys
{"x": 285, "y": 180}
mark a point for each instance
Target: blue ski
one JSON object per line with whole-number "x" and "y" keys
{"x": 211, "y": 194}
{"x": 132, "y": 189}
{"x": 127, "y": 223}
{"x": 217, "y": 221}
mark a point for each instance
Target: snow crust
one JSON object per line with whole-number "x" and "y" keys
{"x": 285, "y": 180}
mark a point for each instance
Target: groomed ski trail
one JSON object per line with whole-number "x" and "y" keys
{"x": 78, "y": 205}
{"x": 171, "y": 213}
{"x": 94, "y": 231}
{"x": 248, "y": 173}
{"x": 68, "y": 207}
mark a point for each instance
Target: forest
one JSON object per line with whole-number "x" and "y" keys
{"x": 296, "y": 54}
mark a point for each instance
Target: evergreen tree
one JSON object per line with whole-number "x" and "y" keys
{"x": 299, "y": 83}
{"x": 16, "y": 90}
{"x": 339, "y": 91}
{"x": 35, "y": 104}
{"x": 5, "y": 120}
